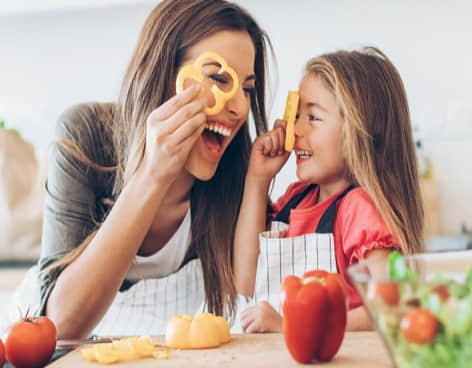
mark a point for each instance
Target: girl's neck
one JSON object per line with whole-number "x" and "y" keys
{"x": 328, "y": 189}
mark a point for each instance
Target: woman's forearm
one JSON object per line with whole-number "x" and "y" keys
{"x": 86, "y": 288}
{"x": 251, "y": 221}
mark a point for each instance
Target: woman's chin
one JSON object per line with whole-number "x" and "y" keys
{"x": 202, "y": 171}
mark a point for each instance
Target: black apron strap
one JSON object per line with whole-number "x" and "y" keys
{"x": 326, "y": 223}
{"x": 293, "y": 202}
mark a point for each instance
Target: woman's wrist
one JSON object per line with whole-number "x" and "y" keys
{"x": 149, "y": 185}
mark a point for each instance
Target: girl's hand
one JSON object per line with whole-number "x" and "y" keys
{"x": 261, "y": 318}
{"x": 171, "y": 132}
{"x": 268, "y": 153}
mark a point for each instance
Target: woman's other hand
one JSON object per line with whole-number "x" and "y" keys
{"x": 261, "y": 318}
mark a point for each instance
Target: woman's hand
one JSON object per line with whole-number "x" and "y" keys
{"x": 268, "y": 154}
{"x": 261, "y": 318}
{"x": 171, "y": 132}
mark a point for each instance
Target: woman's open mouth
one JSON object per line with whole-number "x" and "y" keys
{"x": 214, "y": 137}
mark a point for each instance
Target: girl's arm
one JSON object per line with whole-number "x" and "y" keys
{"x": 267, "y": 158}
{"x": 251, "y": 221}
{"x": 358, "y": 319}
{"x": 86, "y": 287}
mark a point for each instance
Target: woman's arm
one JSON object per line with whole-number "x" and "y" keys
{"x": 85, "y": 288}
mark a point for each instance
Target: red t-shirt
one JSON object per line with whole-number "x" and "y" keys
{"x": 358, "y": 226}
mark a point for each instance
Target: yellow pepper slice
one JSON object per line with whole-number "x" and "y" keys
{"x": 194, "y": 71}
{"x": 290, "y": 114}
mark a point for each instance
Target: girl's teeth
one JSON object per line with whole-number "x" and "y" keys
{"x": 304, "y": 154}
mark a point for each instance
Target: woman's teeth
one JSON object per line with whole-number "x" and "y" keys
{"x": 304, "y": 154}
{"x": 217, "y": 128}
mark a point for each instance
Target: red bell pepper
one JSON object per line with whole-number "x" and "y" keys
{"x": 314, "y": 315}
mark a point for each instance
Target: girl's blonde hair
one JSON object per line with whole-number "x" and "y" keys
{"x": 170, "y": 30}
{"x": 378, "y": 143}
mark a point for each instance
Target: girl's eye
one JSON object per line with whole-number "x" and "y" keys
{"x": 297, "y": 116}
{"x": 313, "y": 117}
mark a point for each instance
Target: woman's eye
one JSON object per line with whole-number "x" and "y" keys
{"x": 218, "y": 78}
{"x": 249, "y": 90}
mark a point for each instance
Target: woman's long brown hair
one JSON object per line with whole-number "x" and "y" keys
{"x": 169, "y": 31}
{"x": 378, "y": 141}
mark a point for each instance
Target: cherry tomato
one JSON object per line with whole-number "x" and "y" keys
{"x": 387, "y": 292}
{"x": 2, "y": 354}
{"x": 31, "y": 342}
{"x": 419, "y": 326}
{"x": 442, "y": 292}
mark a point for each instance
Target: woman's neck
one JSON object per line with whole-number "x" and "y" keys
{"x": 328, "y": 189}
{"x": 179, "y": 192}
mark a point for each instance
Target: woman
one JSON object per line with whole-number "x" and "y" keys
{"x": 143, "y": 196}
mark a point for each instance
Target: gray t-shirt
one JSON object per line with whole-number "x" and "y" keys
{"x": 76, "y": 194}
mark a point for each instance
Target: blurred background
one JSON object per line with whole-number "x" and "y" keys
{"x": 54, "y": 54}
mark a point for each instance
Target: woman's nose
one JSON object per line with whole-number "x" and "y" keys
{"x": 238, "y": 106}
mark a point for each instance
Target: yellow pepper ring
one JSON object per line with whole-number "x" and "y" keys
{"x": 194, "y": 71}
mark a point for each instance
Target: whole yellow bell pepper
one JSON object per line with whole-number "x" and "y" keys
{"x": 204, "y": 331}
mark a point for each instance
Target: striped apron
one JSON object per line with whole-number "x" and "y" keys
{"x": 280, "y": 256}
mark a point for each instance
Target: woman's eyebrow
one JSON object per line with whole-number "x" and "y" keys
{"x": 212, "y": 63}
{"x": 251, "y": 77}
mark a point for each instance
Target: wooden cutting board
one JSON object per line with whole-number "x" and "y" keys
{"x": 359, "y": 349}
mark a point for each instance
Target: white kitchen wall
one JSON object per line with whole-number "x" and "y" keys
{"x": 50, "y": 59}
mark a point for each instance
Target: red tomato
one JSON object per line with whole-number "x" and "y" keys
{"x": 31, "y": 342}
{"x": 442, "y": 292}
{"x": 2, "y": 354}
{"x": 419, "y": 326}
{"x": 387, "y": 292}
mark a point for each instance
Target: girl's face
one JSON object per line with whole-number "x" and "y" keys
{"x": 318, "y": 134}
{"x": 238, "y": 51}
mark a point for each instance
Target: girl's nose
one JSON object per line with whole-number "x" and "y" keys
{"x": 298, "y": 127}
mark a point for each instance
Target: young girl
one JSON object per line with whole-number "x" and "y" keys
{"x": 142, "y": 196}
{"x": 358, "y": 180}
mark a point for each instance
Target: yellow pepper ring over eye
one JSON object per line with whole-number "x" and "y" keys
{"x": 194, "y": 71}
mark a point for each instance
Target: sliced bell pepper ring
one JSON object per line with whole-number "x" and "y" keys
{"x": 291, "y": 107}
{"x": 194, "y": 71}
{"x": 314, "y": 315}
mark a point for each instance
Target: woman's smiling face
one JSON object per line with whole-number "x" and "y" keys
{"x": 237, "y": 49}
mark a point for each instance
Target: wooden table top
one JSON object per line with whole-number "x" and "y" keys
{"x": 359, "y": 349}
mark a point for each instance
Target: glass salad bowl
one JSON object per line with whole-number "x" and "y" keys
{"x": 421, "y": 305}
